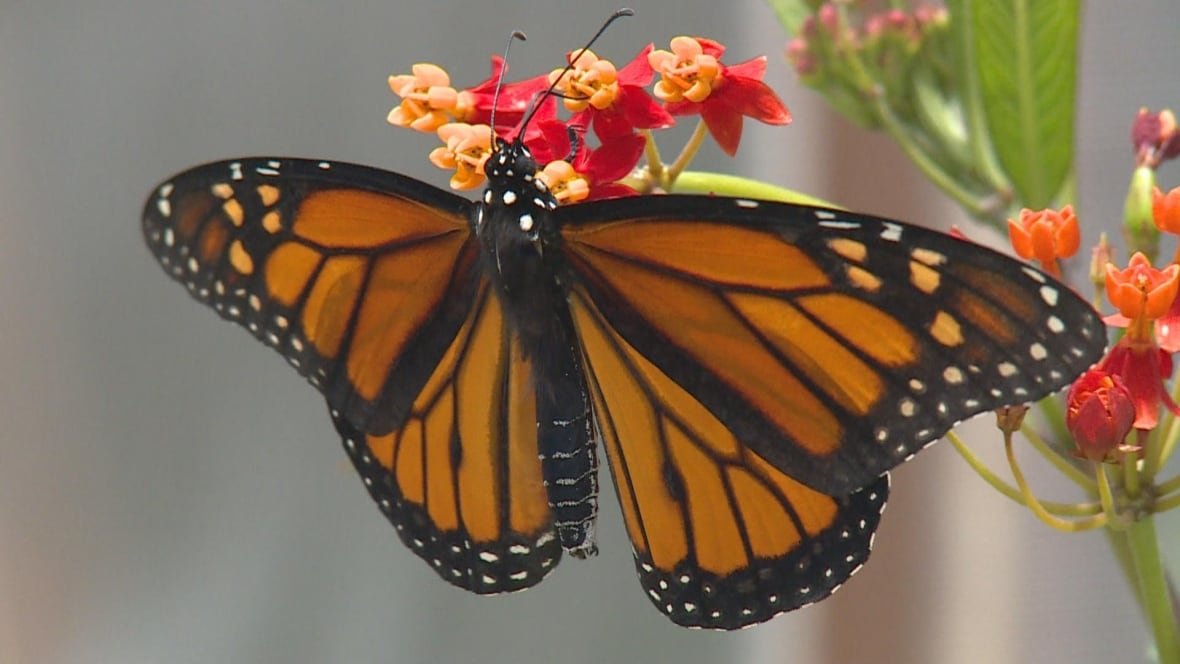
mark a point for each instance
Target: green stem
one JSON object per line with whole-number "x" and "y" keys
{"x": 971, "y": 98}
{"x": 685, "y": 157}
{"x": 699, "y": 182}
{"x": 1168, "y": 503}
{"x": 1060, "y": 463}
{"x": 1168, "y": 487}
{"x": 1156, "y": 456}
{"x": 655, "y": 165}
{"x": 1153, "y": 588}
{"x": 1059, "y": 509}
{"x": 1054, "y": 416}
{"x": 1035, "y": 505}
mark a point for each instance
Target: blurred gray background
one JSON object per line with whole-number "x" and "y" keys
{"x": 171, "y": 492}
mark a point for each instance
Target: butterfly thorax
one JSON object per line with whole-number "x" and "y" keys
{"x": 521, "y": 250}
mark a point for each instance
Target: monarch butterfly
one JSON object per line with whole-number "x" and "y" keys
{"x": 752, "y": 368}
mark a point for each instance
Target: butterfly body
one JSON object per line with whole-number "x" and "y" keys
{"x": 751, "y": 369}
{"x": 521, "y": 252}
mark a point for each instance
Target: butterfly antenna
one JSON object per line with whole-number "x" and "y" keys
{"x": 553, "y": 86}
{"x": 516, "y": 34}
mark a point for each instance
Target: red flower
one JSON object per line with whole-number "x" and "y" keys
{"x": 1143, "y": 295}
{"x": 693, "y": 80}
{"x": 1142, "y": 368}
{"x": 1155, "y": 137}
{"x": 1100, "y": 412}
{"x": 594, "y": 174}
{"x": 1045, "y": 236}
{"x": 1167, "y": 328}
{"x": 613, "y": 101}
{"x": 514, "y": 98}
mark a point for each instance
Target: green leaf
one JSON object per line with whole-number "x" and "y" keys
{"x": 1026, "y": 53}
{"x": 791, "y": 13}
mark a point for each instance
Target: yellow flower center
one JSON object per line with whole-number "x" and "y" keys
{"x": 686, "y": 72}
{"x": 566, "y": 184}
{"x": 428, "y": 100}
{"x": 591, "y": 82}
{"x": 467, "y": 149}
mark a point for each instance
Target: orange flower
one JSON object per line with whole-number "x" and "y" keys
{"x": 467, "y": 148}
{"x": 1165, "y": 210}
{"x": 1141, "y": 293}
{"x": 1045, "y": 236}
{"x": 428, "y": 100}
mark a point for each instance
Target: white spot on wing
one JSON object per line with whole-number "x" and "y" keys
{"x": 1049, "y": 295}
{"x": 746, "y": 203}
{"x": 891, "y": 232}
{"x": 838, "y": 225}
{"x": 1033, "y": 274}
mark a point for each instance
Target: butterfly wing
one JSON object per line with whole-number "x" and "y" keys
{"x": 461, "y": 479}
{"x": 722, "y": 538}
{"x": 369, "y": 284}
{"x": 834, "y": 345}
{"x": 359, "y": 277}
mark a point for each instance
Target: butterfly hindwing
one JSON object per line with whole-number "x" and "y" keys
{"x": 460, "y": 479}
{"x": 722, "y": 539}
{"x": 357, "y": 276}
{"x": 834, "y": 345}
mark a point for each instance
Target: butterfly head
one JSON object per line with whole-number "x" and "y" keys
{"x": 516, "y": 200}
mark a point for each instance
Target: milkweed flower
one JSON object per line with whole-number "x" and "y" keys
{"x": 428, "y": 100}
{"x": 594, "y": 174}
{"x": 693, "y": 80}
{"x": 612, "y": 101}
{"x": 1045, "y": 236}
{"x": 1100, "y": 412}
{"x": 467, "y": 149}
{"x": 1142, "y": 294}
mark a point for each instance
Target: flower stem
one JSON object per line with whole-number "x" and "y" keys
{"x": 699, "y": 182}
{"x": 686, "y": 154}
{"x": 1059, "y": 509}
{"x": 1035, "y": 506}
{"x": 655, "y": 167}
{"x": 1060, "y": 463}
{"x": 1153, "y": 588}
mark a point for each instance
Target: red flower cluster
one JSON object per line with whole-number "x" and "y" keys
{"x": 613, "y": 102}
{"x": 1126, "y": 388}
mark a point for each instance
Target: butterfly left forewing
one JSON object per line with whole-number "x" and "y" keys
{"x": 358, "y": 277}
{"x": 835, "y": 345}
